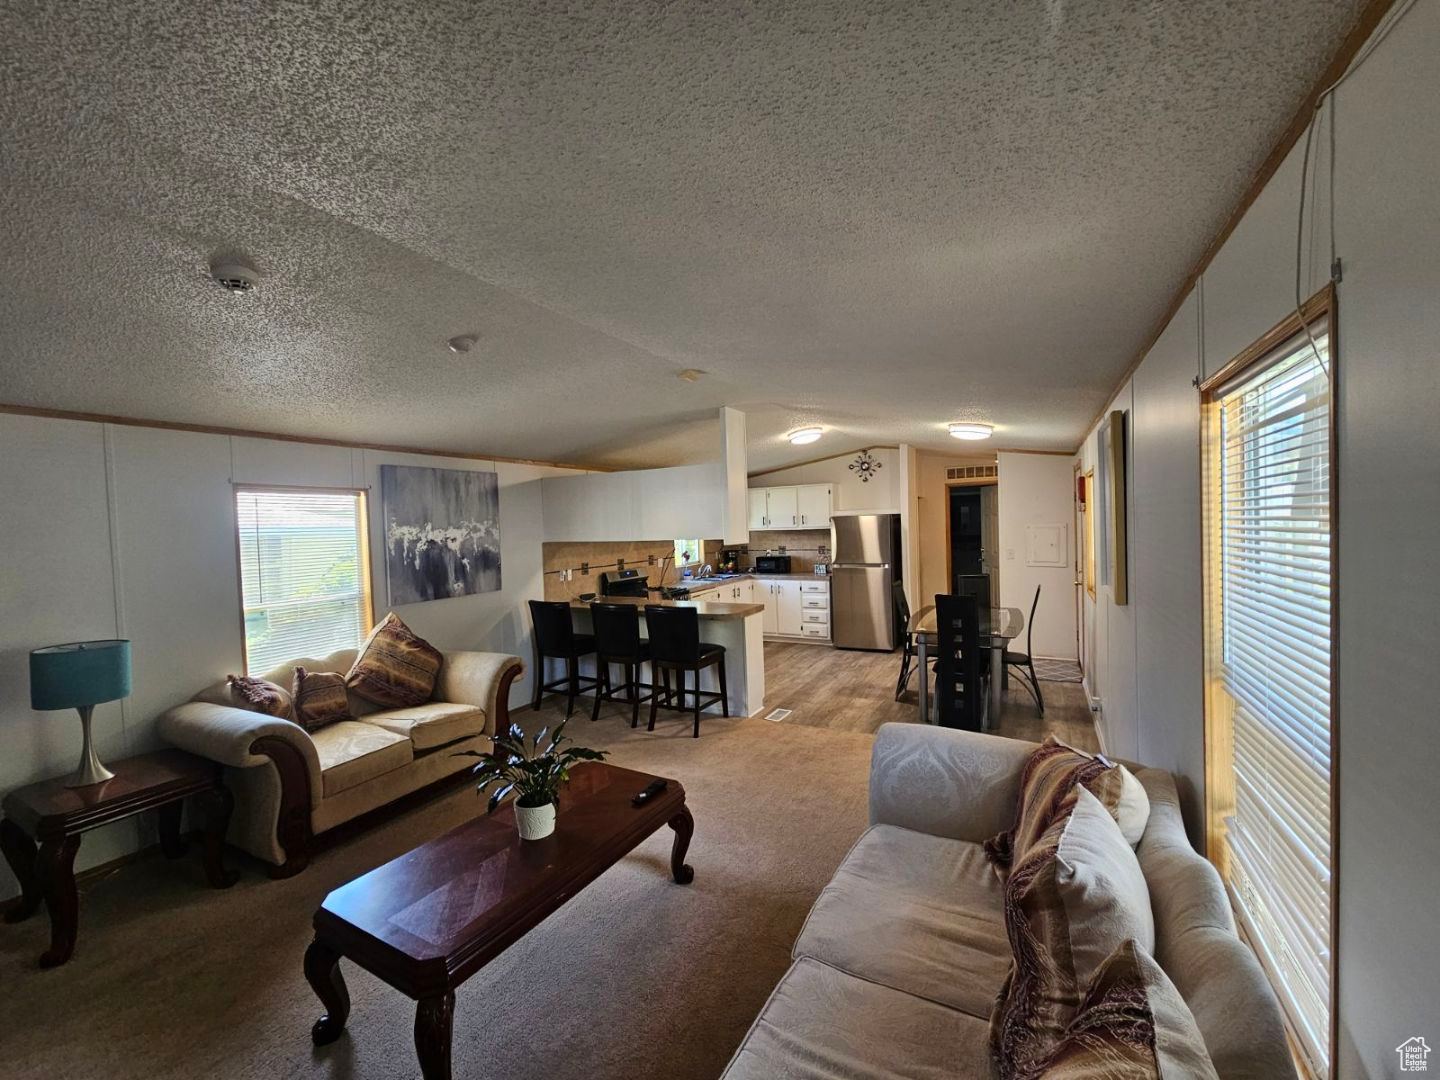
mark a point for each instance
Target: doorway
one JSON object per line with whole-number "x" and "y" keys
{"x": 973, "y": 529}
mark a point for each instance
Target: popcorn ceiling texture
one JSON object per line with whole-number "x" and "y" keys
{"x": 881, "y": 217}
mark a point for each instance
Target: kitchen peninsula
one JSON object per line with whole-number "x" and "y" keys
{"x": 738, "y": 627}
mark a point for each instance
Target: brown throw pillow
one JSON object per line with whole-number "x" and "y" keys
{"x": 1132, "y": 1025}
{"x": 395, "y": 667}
{"x": 320, "y": 698}
{"x": 259, "y": 695}
{"x": 1069, "y": 902}
{"x": 1047, "y": 793}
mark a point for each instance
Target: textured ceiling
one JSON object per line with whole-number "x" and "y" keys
{"x": 880, "y": 217}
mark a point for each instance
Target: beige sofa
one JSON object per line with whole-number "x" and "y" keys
{"x": 290, "y": 784}
{"x": 902, "y": 956}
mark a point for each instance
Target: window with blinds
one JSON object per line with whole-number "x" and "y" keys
{"x": 304, "y": 582}
{"x": 1269, "y": 611}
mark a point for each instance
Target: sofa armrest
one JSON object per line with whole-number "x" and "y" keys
{"x": 482, "y": 679}
{"x": 958, "y": 784}
{"x": 228, "y": 735}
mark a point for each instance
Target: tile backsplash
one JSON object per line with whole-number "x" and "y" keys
{"x": 805, "y": 547}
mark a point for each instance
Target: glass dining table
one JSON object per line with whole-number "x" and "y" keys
{"x": 998, "y": 627}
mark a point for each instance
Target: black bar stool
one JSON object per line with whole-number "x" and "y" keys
{"x": 675, "y": 646}
{"x": 555, "y": 637}
{"x": 617, "y": 641}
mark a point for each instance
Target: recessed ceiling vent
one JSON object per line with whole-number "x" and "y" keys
{"x": 234, "y": 276}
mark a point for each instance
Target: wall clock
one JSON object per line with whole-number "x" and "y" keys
{"x": 864, "y": 466}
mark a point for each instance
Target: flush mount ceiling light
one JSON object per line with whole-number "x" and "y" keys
{"x": 971, "y": 432}
{"x": 691, "y": 374}
{"x": 462, "y": 343}
{"x": 801, "y": 436}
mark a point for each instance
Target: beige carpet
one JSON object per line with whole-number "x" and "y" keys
{"x": 634, "y": 978}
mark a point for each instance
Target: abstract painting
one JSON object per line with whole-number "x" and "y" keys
{"x": 442, "y": 532}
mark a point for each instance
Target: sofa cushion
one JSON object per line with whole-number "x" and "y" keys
{"x": 395, "y": 668}
{"x": 259, "y": 695}
{"x": 1069, "y": 903}
{"x": 823, "y": 1024}
{"x": 915, "y": 912}
{"x": 352, "y": 752}
{"x": 430, "y": 725}
{"x": 1132, "y": 1025}
{"x": 1047, "y": 793}
{"x": 319, "y": 699}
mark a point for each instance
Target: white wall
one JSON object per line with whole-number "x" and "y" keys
{"x": 1038, "y": 489}
{"x": 113, "y": 530}
{"x": 1387, "y": 231}
{"x": 882, "y": 493}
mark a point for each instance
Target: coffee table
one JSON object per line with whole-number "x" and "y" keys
{"x": 427, "y": 921}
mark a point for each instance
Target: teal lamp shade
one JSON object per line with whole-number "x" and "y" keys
{"x": 79, "y": 674}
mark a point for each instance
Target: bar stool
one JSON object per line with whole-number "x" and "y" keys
{"x": 555, "y": 638}
{"x": 675, "y": 646}
{"x": 617, "y": 641}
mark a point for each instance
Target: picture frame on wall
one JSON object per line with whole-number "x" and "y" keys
{"x": 442, "y": 533}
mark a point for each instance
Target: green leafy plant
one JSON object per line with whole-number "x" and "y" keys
{"x": 535, "y": 775}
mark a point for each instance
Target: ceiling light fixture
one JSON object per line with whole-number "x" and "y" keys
{"x": 691, "y": 374}
{"x": 801, "y": 436}
{"x": 462, "y": 343}
{"x": 971, "y": 432}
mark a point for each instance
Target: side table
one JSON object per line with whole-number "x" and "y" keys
{"x": 55, "y": 816}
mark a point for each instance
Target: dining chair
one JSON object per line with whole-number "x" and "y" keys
{"x": 617, "y": 641}
{"x": 1024, "y": 662}
{"x": 907, "y": 647}
{"x": 675, "y": 645}
{"x": 961, "y": 663}
{"x": 555, "y": 637}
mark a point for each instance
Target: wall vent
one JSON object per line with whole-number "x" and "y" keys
{"x": 971, "y": 472}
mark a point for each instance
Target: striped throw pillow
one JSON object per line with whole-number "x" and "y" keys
{"x": 395, "y": 667}
{"x": 319, "y": 698}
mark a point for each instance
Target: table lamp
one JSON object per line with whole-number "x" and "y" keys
{"x": 80, "y": 676}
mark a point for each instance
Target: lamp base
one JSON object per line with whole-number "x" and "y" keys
{"x": 90, "y": 770}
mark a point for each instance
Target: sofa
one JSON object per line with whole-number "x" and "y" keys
{"x": 899, "y": 963}
{"x": 290, "y": 784}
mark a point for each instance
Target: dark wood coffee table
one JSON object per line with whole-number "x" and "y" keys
{"x": 55, "y": 817}
{"x": 427, "y": 921}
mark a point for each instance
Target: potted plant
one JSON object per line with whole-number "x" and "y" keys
{"x": 533, "y": 774}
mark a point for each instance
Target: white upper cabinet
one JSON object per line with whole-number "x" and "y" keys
{"x": 806, "y": 506}
{"x": 814, "y": 502}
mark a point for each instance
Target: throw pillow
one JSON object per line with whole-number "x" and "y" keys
{"x": 1075, "y": 895}
{"x": 1132, "y": 1025}
{"x": 1047, "y": 794}
{"x": 395, "y": 667}
{"x": 319, "y": 698}
{"x": 258, "y": 695}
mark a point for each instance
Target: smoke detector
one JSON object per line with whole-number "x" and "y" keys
{"x": 233, "y": 276}
{"x": 462, "y": 343}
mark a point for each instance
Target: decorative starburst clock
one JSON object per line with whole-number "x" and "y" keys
{"x": 865, "y": 466}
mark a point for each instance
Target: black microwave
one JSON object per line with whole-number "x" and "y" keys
{"x": 772, "y": 564}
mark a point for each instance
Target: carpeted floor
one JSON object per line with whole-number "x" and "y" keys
{"x": 634, "y": 978}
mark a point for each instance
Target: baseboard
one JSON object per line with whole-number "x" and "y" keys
{"x": 100, "y": 870}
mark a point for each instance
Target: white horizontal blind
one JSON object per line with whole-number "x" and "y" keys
{"x": 301, "y": 578}
{"x": 1275, "y": 668}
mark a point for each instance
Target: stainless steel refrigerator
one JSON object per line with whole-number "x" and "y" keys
{"x": 864, "y": 567}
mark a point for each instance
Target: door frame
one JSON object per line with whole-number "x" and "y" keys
{"x": 974, "y": 481}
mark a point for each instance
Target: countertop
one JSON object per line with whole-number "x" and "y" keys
{"x": 773, "y": 577}
{"x": 707, "y": 609}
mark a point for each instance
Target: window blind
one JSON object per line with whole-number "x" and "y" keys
{"x": 1275, "y": 624}
{"x": 301, "y": 573}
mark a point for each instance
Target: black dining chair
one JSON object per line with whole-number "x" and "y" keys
{"x": 1024, "y": 662}
{"x": 617, "y": 641}
{"x": 675, "y": 645}
{"x": 555, "y": 638}
{"x": 908, "y": 651}
{"x": 961, "y": 663}
{"x": 976, "y": 585}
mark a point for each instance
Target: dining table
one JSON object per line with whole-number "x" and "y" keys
{"x": 998, "y": 627}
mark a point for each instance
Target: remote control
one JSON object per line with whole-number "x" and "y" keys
{"x": 655, "y": 788}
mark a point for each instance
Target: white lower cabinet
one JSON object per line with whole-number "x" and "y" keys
{"x": 795, "y": 607}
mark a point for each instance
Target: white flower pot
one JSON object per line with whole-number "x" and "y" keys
{"x": 535, "y": 822}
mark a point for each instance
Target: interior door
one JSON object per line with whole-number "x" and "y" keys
{"x": 784, "y": 508}
{"x": 758, "y": 513}
{"x": 990, "y": 536}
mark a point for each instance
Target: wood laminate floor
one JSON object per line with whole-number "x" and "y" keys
{"x": 854, "y": 691}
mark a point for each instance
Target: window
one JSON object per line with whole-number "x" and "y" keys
{"x": 1269, "y": 610}
{"x": 304, "y": 572}
{"x": 688, "y": 552}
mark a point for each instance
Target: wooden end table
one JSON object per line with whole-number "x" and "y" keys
{"x": 55, "y": 817}
{"x": 427, "y": 921}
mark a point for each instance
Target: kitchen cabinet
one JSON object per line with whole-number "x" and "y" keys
{"x": 803, "y": 506}
{"x": 784, "y": 606}
{"x": 814, "y": 505}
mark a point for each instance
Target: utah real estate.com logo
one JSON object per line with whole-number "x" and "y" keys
{"x": 1412, "y": 1055}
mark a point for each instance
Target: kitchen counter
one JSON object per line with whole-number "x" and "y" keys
{"x": 707, "y": 609}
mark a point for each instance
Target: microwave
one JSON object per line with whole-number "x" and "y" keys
{"x": 772, "y": 564}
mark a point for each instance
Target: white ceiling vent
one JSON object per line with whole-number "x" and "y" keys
{"x": 233, "y": 276}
